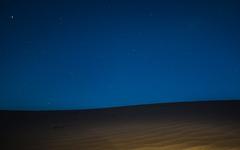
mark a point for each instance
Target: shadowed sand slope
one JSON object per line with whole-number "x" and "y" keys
{"x": 176, "y": 126}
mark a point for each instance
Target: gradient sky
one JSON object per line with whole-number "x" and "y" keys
{"x": 103, "y": 53}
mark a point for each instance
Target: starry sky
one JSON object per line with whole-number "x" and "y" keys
{"x": 66, "y": 54}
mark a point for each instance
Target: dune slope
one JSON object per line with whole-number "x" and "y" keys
{"x": 176, "y": 126}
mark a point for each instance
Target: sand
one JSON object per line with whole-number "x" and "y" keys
{"x": 177, "y": 126}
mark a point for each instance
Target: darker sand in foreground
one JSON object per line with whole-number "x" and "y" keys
{"x": 178, "y": 126}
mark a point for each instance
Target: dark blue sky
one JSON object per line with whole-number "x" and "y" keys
{"x": 102, "y": 53}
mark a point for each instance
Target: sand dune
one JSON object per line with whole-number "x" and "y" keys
{"x": 179, "y": 126}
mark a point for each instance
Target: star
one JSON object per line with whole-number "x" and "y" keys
{"x": 140, "y": 33}
{"x": 60, "y": 20}
{"x": 71, "y": 74}
{"x": 109, "y": 86}
{"x": 150, "y": 14}
{"x": 134, "y": 50}
{"x": 11, "y": 20}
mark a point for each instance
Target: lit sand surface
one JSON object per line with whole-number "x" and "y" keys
{"x": 162, "y": 127}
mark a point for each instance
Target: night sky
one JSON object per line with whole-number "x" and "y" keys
{"x": 103, "y": 53}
